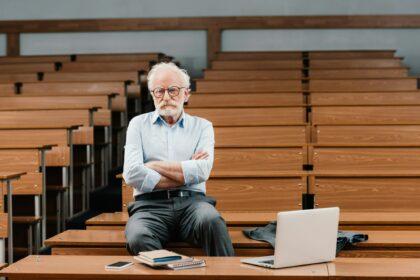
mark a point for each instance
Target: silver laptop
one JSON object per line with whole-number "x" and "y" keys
{"x": 303, "y": 237}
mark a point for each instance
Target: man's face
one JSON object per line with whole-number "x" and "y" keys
{"x": 167, "y": 105}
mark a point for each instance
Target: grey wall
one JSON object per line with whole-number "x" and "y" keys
{"x": 189, "y": 47}
{"x": 2, "y": 44}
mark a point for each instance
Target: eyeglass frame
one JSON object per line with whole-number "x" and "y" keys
{"x": 167, "y": 90}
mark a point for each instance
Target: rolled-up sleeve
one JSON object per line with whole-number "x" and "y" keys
{"x": 198, "y": 171}
{"x": 135, "y": 173}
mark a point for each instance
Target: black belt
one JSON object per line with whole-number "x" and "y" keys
{"x": 167, "y": 194}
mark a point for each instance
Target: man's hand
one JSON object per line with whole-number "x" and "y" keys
{"x": 200, "y": 155}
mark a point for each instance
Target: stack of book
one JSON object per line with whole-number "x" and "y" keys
{"x": 168, "y": 259}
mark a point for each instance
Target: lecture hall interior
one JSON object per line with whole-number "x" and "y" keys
{"x": 210, "y": 130}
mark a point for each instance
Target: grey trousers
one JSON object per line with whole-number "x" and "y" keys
{"x": 152, "y": 223}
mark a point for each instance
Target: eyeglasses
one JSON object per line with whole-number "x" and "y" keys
{"x": 172, "y": 91}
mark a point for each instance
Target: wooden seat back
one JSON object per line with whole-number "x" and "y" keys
{"x": 249, "y": 86}
{"x": 350, "y": 85}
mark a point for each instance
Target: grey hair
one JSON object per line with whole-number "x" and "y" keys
{"x": 169, "y": 66}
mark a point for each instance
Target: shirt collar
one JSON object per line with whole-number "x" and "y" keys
{"x": 156, "y": 118}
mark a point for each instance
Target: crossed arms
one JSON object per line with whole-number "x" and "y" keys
{"x": 166, "y": 174}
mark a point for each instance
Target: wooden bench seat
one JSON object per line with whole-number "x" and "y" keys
{"x": 358, "y": 73}
{"x": 249, "y": 86}
{"x": 114, "y": 66}
{"x": 351, "y": 54}
{"x": 258, "y": 55}
{"x": 21, "y": 68}
{"x": 102, "y": 57}
{"x": 366, "y": 135}
{"x": 365, "y": 98}
{"x": 314, "y": 73}
{"x": 22, "y": 78}
{"x": 34, "y": 59}
{"x": 365, "y": 115}
{"x": 252, "y": 116}
{"x": 231, "y": 100}
{"x": 349, "y": 220}
{"x": 23, "y": 102}
{"x": 243, "y": 74}
{"x": 356, "y": 63}
{"x": 7, "y": 180}
{"x": 129, "y": 76}
{"x": 120, "y": 57}
{"x": 112, "y": 242}
{"x": 352, "y": 85}
{"x": 257, "y": 64}
{"x": 327, "y": 54}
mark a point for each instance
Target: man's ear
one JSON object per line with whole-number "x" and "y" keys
{"x": 187, "y": 95}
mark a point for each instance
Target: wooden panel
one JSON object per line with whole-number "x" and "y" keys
{"x": 368, "y": 135}
{"x": 58, "y": 102}
{"x": 43, "y": 118}
{"x": 251, "y": 116}
{"x": 249, "y": 86}
{"x": 34, "y": 59}
{"x": 260, "y": 136}
{"x": 105, "y": 66}
{"x": 351, "y": 54}
{"x": 48, "y": 89}
{"x": 91, "y": 77}
{"x": 257, "y": 64}
{"x": 253, "y": 160}
{"x": 127, "y": 196}
{"x": 252, "y": 74}
{"x": 19, "y": 160}
{"x": 203, "y": 100}
{"x": 245, "y": 55}
{"x": 7, "y": 89}
{"x": 102, "y": 117}
{"x": 58, "y": 156}
{"x": 83, "y": 136}
{"x": 14, "y": 78}
{"x": 356, "y": 63}
{"x": 366, "y": 115}
{"x": 119, "y": 104}
{"x": 365, "y": 98}
{"x": 33, "y": 136}
{"x": 3, "y": 224}
{"x": 275, "y": 194}
{"x": 21, "y": 68}
{"x": 368, "y": 194}
{"x": 119, "y": 57}
{"x": 358, "y": 73}
{"x": 364, "y": 85}
{"x": 366, "y": 159}
{"x": 28, "y": 184}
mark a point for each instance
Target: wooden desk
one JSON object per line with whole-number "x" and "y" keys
{"x": 92, "y": 267}
{"x": 372, "y": 268}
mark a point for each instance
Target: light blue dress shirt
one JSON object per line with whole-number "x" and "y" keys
{"x": 150, "y": 138}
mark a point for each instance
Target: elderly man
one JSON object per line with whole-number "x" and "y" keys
{"x": 168, "y": 158}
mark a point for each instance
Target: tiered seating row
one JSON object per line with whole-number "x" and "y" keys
{"x": 67, "y": 134}
{"x": 319, "y": 111}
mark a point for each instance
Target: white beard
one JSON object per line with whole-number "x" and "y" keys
{"x": 169, "y": 112}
